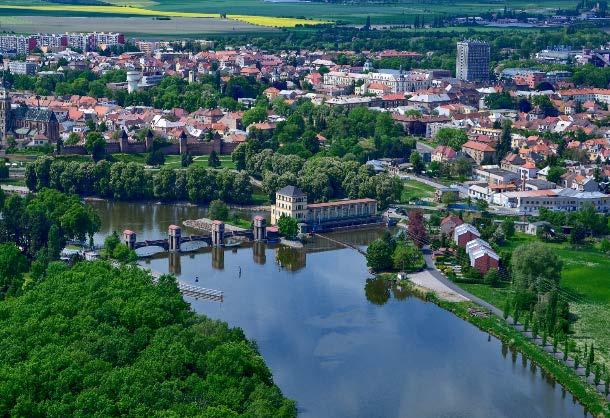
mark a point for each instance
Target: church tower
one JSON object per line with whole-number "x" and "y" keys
{"x": 5, "y": 111}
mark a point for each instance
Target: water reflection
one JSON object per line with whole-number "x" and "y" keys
{"x": 338, "y": 354}
{"x": 174, "y": 265}
{"x": 259, "y": 253}
{"x": 292, "y": 259}
{"x": 218, "y": 258}
{"x": 377, "y": 291}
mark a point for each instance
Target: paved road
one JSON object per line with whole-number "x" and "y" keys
{"x": 443, "y": 279}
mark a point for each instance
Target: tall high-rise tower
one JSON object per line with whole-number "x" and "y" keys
{"x": 5, "y": 110}
{"x": 472, "y": 61}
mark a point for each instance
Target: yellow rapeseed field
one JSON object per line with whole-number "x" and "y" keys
{"x": 280, "y": 22}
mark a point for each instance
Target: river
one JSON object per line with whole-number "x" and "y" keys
{"x": 342, "y": 347}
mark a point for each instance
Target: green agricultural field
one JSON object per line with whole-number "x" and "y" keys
{"x": 354, "y": 13}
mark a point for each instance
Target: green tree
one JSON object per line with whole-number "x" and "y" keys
{"x": 492, "y": 277}
{"x": 110, "y": 243}
{"x": 186, "y": 160}
{"x": 12, "y": 266}
{"x": 124, "y": 254}
{"x": 155, "y": 158}
{"x": 96, "y": 145}
{"x": 256, "y": 114}
{"x": 218, "y": 210}
{"x": 213, "y": 160}
{"x": 508, "y": 227}
{"x": 73, "y": 139}
{"x": 578, "y": 234}
{"x": 201, "y": 184}
{"x": 288, "y": 226}
{"x": 407, "y": 258}
{"x": 54, "y": 245}
{"x": 499, "y": 101}
{"x": 4, "y": 170}
{"x": 111, "y": 319}
{"x": 452, "y": 137}
{"x": 417, "y": 162}
{"x": 555, "y": 173}
{"x": 164, "y": 184}
{"x": 536, "y": 267}
{"x": 379, "y": 255}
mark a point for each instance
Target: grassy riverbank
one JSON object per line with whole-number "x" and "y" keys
{"x": 585, "y": 284}
{"x": 498, "y": 327}
{"x": 564, "y": 375}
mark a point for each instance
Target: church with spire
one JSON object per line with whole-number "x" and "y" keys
{"x": 26, "y": 124}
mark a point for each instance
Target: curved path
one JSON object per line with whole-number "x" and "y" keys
{"x": 431, "y": 268}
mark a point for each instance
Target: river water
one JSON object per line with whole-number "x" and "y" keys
{"x": 340, "y": 345}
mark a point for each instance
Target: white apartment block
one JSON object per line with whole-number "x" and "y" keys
{"x": 396, "y": 81}
{"x": 565, "y": 200}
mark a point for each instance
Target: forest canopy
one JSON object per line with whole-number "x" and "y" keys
{"x": 94, "y": 340}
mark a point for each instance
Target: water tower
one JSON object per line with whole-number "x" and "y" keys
{"x": 133, "y": 80}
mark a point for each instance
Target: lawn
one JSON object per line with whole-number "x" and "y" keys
{"x": 175, "y": 161}
{"x": 130, "y": 158}
{"x": 494, "y": 295}
{"x": 413, "y": 190}
{"x": 259, "y": 197}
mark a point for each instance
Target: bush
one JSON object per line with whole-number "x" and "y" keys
{"x": 123, "y": 254}
{"x": 218, "y": 210}
{"x": 492, "y": 277}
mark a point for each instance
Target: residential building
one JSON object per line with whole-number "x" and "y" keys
{"x": 464, "y": 233}
{"x": 472, "y": 61}
{"x": 481, "y": 153}
{"x": 22, "y": 67}
{"x": 449, "y": 223}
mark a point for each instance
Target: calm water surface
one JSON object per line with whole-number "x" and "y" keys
{"x": 342, "y": 347}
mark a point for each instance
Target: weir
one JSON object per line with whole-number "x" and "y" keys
{"x": 215, "y": 238}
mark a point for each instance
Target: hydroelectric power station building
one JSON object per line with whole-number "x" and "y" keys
{"x": 292, "y": 201}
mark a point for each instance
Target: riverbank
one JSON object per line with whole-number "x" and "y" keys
{"x": 556, "y": 368}
{"x": 586, "y": 394}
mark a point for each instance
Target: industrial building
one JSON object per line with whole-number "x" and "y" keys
{"x": 292, "y": 201}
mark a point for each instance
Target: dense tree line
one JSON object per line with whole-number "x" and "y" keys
{"x": 34, "y": 229}
{"x": 395, "y": 253}
{"x": 322, "y": 178}
{"x": 586, "y": 218}
{"x": 98, "y": 340}
{"x": 357, "y": 134}
{"x": 131, "y": 181}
